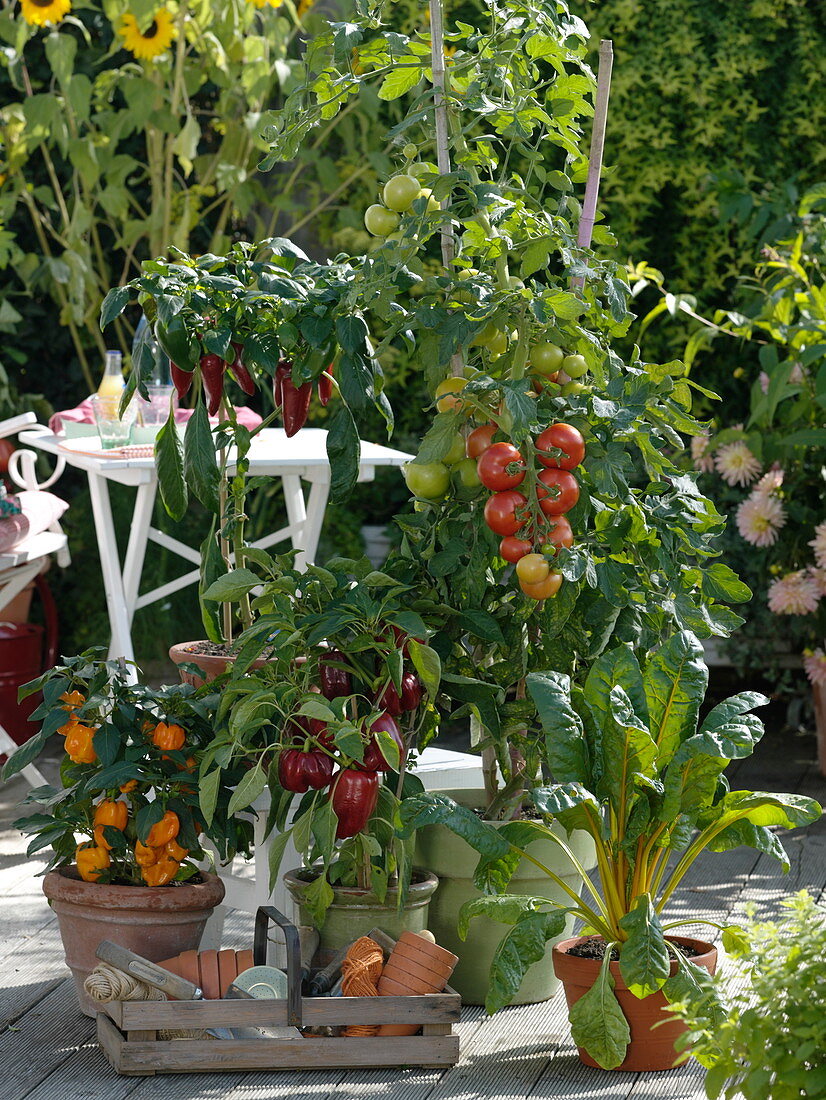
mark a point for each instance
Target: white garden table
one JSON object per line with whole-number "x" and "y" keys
{"x": 304, "y": 457}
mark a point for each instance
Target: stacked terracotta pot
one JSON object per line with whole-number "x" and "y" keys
{"x": 415, "y": 967}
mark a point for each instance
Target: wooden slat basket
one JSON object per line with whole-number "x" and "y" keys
{"x": 128, "y": 1030}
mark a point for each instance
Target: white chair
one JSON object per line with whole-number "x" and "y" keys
{"x": 247, "y": 883}
{"x": 24, "y": 562}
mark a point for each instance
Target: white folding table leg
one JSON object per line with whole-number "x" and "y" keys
{"x": 138, "y": 538}
{"x": 119, "y": 619}
{"x": 307, "y": 516}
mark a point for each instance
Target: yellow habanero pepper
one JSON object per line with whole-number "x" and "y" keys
{"x": 168, "y": 736}
{"x": 175, "y": 851}
{"x": 144, "y": 855}
{"x": 79, "y": 745}
{"x": 128, "y": 786}
{"x": 91, "y": 861}
{"x": 164, "y": 830}
{"x": 160, "y": 873}
{"x": 112, "y": 812}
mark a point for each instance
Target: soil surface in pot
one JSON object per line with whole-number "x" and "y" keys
{"x": 594, "y": 948}
{"x": 216, "y": 649}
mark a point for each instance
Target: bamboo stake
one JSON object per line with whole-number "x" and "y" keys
{"x": 589, "y": 205}
{"x": 437, "y": 67}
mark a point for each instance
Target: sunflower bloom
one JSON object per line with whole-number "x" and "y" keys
{"x": 152, "y": 42}
{"x": 759, "y": 519}
{"x": 795, "y": 594}
{"x": 39, "y": 13}
{"x": 736, "y": 464}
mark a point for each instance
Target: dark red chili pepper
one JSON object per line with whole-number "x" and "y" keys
{"x": 239, "y": 371}
{"x": 412, "y": 691}
{"x": 354, "y": 796}
{"x": 282, "y": 371}
{"x": 325, "y": 386}
{"x": 299, "y": 771}
{"x": 373, "y": 759}
{"x": 335, "y": 682}
{"x": 182, "y": 379}
{"x": 389, "y": 700}
{"x": 295, "y": 405}
{"x": 212, "y": 373}
{"x": 321, "y": 733}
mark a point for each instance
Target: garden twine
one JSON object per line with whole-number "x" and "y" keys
{"x": 360, "y": 973}
{"x": 105, "y": 983}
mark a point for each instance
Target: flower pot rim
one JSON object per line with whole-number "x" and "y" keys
{"x": 422, "y": 883}
{"x": 64, "y": 884}
{"x": 589, "y": 968}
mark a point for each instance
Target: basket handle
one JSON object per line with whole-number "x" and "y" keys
{"x": 292, "y": 941}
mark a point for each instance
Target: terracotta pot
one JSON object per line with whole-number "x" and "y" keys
{"x": 399, "y": 969}
{"x": 651, "y": 1047}
{"x": 408, "y": 972}
{"x": 157, "y": 922}
{"x": 192, "y": 965}
{"x": 425, "y": 953}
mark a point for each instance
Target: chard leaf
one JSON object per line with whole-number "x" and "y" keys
{"x": 573, "y": 806}
{"x": 675, "y": 682}
{"x": 597, "y": 1021}
{"x": 644, "y": 960}
{"x": 565, "y": 744}
{"x": 433, "y": 809}
{"x": 627, "y": 751}
{"x": 617, "y": 666}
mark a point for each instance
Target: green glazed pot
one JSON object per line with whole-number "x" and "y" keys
{"x": 355, "y": 912}
{"x": 454, "y": 861}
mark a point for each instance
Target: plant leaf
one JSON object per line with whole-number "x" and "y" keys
{"x": 169, "y": 461}
{"x": 675, "y": 682}
{"x": 200, "y": 463}
{"x": 250, "y": 788}
{"x": 644, "y": 959}
{"x": 597, "y": 1021}
{"x": 565, "y": 744}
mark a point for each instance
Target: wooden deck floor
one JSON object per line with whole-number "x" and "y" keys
{"x": 48, "y": 1050}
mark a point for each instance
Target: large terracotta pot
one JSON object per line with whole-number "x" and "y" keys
{"x": 355, "y": 911}
{"x": 651, "y": 1047}
{"x": 454, "y": 861}
{"x": 157, "y": 922}
{"x": 210, "y": 665}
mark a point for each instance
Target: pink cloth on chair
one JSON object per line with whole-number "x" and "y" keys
{"x": 83, "y": 415}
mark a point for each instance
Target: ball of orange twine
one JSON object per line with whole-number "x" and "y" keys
{"x": 360, "y": 973}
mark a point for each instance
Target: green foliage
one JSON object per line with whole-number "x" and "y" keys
{"x": 100, "y": 695}
{"x": 646, "y": 783}
{"x": 771, "y": 1042}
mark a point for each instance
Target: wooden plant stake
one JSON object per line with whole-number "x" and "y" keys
{"x": 589, "y": 205}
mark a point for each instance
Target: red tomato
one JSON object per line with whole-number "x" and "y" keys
{"x": 545, "y": 589}
{"x": 500, "y": 512}
{"x": 566, "y": 438}
{"x": 501, "y": 467}
{"x": 479, "y": 440}
{"x": 563, "y": 495}
{"x": 556, "y": 533}
{"x": 512, "y": 548}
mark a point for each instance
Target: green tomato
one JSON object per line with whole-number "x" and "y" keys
{"x": 482, "y": 339}
{"x": 574, "y": 387}
{"x": 546, "y": 358}
{"x": 409, "y": 150}
{"x": 379, "y": 220}
{"x": 498, "y": 344}
{"x": 428, "y": 480}
{"x": 456, "y": 452}
{"x": 575, "y": 366}
{"x": 420, "y": 171}
{"x": 466, "y": 479}
{"x": 433, "y": 205}
{"x": 400, "y": 191}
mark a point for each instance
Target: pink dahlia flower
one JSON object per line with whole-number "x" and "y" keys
{"x": 759, "y": 519}
{"x": 795, "y": 594}
{"x": 736, "y": 464}
{"x": 815, "y": 665}
{"x": 818, "y": 544}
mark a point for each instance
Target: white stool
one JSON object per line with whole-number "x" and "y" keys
{"x": 247, "y": 882}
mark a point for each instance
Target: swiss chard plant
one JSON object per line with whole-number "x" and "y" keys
{"x": 634, "y": 768}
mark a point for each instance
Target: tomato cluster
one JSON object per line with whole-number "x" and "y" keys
{"x": 546, "y": 361}
{"x": 501, "y": 468}
{"x": 398, "y": 195}
{"x": 310, "y": 759}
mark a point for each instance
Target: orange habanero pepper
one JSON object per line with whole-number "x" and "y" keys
{"x": 174, "y": 851}
{"x": 160, "y": 873}
{"x": 168, "y": 736}
{"x": 164, "y": 830}
{"x": 112, "y": 812}
{"x": 91, "y": 861}
{"x": 128, "y": 786}
{"x": 144, "y": 855}
{"x": 79, "y": 745}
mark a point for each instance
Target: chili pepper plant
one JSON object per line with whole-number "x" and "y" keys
{"x": 127, "y": 809}
{"x": 336, "y": 716}
{"x": 550, "y": 511}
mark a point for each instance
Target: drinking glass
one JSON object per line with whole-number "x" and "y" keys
{"x": 155, "y": 411}
{"x": 113, "y": 431}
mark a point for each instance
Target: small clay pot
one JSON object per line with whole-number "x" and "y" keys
{"x": 403, "y": 953}
{"x": 437, "y": 957}
{"x": 653, "y": 1028}
{"x": 410, "y": 987}
{"x": 210, "y": 978}
{"x": 398, "y": 968}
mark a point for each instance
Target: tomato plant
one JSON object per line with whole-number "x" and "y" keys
{"x": 513, "y": 548}
{"x": 546, "y": 358}
{"x": 543, "y": 589}
{"x": 532, "y": 568}
{"x": 428, "y": 480}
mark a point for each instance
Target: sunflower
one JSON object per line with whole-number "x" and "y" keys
{"x": 152, "y": 42}
{"x": 41, "y": 12}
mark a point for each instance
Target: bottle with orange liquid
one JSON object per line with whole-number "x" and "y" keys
{"x": 112, "y": 383}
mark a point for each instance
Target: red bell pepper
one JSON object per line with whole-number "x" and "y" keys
{"x": 212, "y": 373}
{"x": 354, "y": 796}
{"x": 389, "y": 700}
{"x": 325, "y": 386}
{"x": 373, "y": 759}
{"x": 335, "y": 682}
{"x": 299, "y": 771}
{"x": 239, "y": 371}
{"x": 182, "y": 379}
{"x": 412, "y": 691}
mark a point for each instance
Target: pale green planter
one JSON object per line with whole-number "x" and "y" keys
{"x": 454, "y": 861}
{"x": 355, "y": 912}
